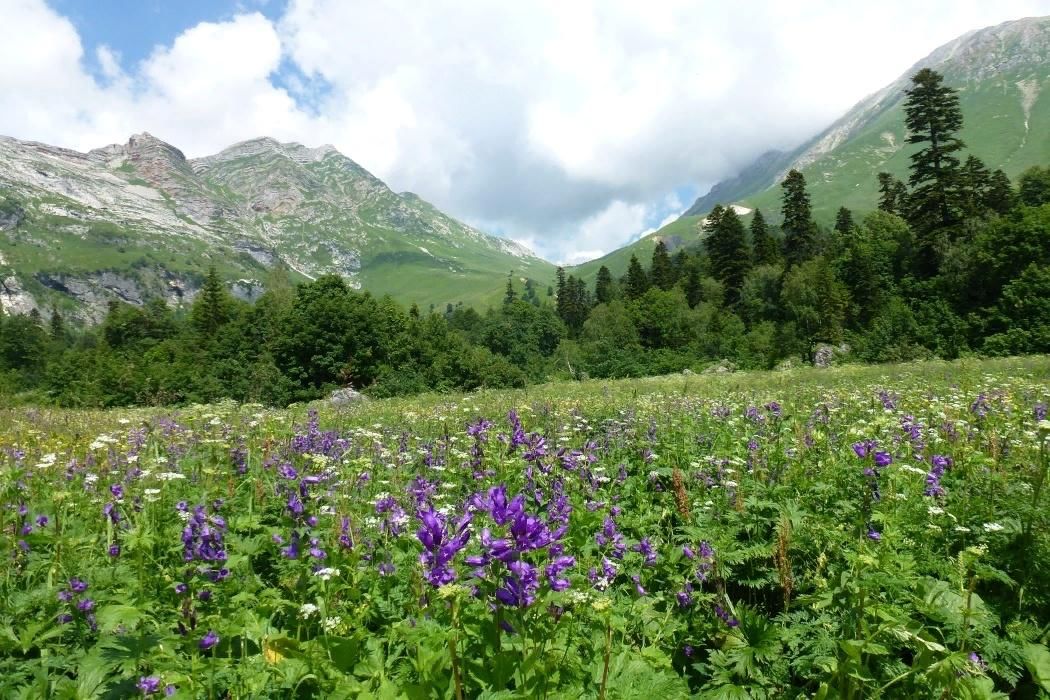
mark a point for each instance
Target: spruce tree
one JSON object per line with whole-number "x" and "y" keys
{"x": 799, "y": 230}
{"x": 1000, "y": 196}
{"x": 933, "y": 118}
{"x": 974, "y": 181}
{"x": 893, "y": 195}
{"x": 661, "y": 274}
{"x": 728, "y": 253}
{"x": 510, "y": 296}
{"x": 562, "y": 296}
{"x": 212, "y": 308}
{"x": 57, "y": 327}
{"x": 844, "y": 221}
{"x": 603, "y": 286}
{"x": 694, "y": 283}
{"x": 635, "y": 283}
{"x": 765, "y": 247}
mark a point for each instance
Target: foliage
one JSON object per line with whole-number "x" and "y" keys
{"x": 846, "y": 533}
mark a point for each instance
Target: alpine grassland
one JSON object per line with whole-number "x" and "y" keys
{"x": 851, "y": 532}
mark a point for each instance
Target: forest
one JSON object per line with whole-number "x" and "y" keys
{"x": 953, "y": 262}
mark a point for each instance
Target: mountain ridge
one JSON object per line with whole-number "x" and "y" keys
{"x": 977, "y": 56}
{"x": 138, "y": 219}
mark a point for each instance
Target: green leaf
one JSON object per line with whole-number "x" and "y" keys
{"x": 1037, "y": 659}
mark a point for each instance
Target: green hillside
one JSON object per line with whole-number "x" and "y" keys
{"x": 1002, "y": 74}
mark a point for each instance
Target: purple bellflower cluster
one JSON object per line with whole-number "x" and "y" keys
{"x": 441, "y": 544}
{"x": 939, "y": 464}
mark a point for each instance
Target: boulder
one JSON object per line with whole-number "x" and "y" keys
{"x": 346, "y": 397}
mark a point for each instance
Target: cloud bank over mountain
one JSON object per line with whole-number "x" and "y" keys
{"x": 572, "y": 127}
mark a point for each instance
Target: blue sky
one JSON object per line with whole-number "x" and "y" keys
{"x": 572, "y": 127}
{"x": 135, "y": 27}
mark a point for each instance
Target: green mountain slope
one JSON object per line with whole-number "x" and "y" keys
{"x": 1003, "y": 77}
{"x": 139, "y": 219}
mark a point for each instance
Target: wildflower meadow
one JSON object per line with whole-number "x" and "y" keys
{"x": 855, "y": 532}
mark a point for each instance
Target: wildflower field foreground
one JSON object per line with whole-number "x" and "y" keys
{"x": 844, "y": 533}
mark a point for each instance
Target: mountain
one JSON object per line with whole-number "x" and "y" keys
{"x": 1002, "y": 74}
{"x": 132, "y": 220}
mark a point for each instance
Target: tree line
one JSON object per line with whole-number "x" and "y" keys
{"x": 956, "y": 260}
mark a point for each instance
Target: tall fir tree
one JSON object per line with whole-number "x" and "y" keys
{"x": 635, "y": 282}
{"x": 933, "y": 117}
{"x": 603, "y": 286}
{"x": 800, "y": 232}
{"x": 974, "y": 183}
{"x": 844, "y": 222}
{"x": 765, "y": 247}
{"x": 1000, "y": 196}
{"x": 561, "y": 295}
{"x": 728, "y": 253}
{"x": 661, "y": 273}
{"x": 893, "y": 195}
{"x": 510, "y": 296}
{"x": 213, "y": 307}
{"x": 693, "y": 283}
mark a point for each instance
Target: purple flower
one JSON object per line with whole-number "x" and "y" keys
{"x": 883, "y": 459}
{"x": 148, "y": 684}
{"x": 41, "y": 521}
{"x": 519, "y": 588}
{"x": 86, "y": 605}
{"x": 645, "y": 548}
{"x": 726, "y": 617}
{"x": 77, "y": 585}
{"x": 114, "y": 550}
{"x": 554, "y": 571}
{"x": 65, "y": 596}
{"x": 440, "y": 545}
{"x": 873, "y": 534}
{"x": 209, "y": 640}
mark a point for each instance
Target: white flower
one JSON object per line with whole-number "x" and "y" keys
{"x": 993, "y": 527}
{"x": 960, "y": 528}
{"x": 326, "y": 573}
{"x": 730, "y": 484}
{"x": 170, "y": 476}
{"x": 330, "y": 623}
{"x": 935, "y": 510}
{"x": 307, "y": 610}
{"x": 47, "y": 460}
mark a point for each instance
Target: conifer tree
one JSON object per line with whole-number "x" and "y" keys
{"x": 694, "y": 283}
{"x": 57, "y": 326}
{"x": 603, "y": 286}
{"x": 975, "y": 180}
{"x": 765, "y": 247}
{"x": 561, "y": 294}
{"x": 510, "y": 296}
{"x": 844, "y": 221}
{"x": 635, "y": 283}
{"x": 1000, "y": 196}
{"x": 212, "y": 308}
{"x": 728, "y": 253}
{"x": 799, "y": 229}
{"x": 933, "y": 118}
{"x": 893, "y": 195}
{"x": 661, "y": 274}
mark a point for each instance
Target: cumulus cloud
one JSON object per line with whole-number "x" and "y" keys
{"x": 563, "y": 124}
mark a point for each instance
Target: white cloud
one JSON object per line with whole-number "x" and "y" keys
{"x": 561, "y": 123}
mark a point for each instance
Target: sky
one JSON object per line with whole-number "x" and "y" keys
{"x": 572, "y": 126}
